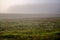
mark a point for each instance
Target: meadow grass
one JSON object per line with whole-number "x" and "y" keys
{"x": 30, "y": 29}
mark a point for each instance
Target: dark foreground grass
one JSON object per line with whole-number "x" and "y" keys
{"x": 30, "y": 29}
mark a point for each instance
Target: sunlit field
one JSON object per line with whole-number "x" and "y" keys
{"x": 30, "y": 29}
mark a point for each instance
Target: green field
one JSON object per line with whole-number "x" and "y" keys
{"x": 30, "y": 29}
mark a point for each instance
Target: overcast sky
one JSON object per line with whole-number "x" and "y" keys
{"x": 29, "y": 6}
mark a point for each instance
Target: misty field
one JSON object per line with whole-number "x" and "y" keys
{"x": 30, "y": 29}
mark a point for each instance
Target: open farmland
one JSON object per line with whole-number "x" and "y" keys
{"x": 30, "y": 28}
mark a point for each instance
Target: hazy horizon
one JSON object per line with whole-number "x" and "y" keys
{"x": 29, "y": 6}
{"x": 19, "y": 16}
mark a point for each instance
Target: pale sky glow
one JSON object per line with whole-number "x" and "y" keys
{"x": 6, "y": 4}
